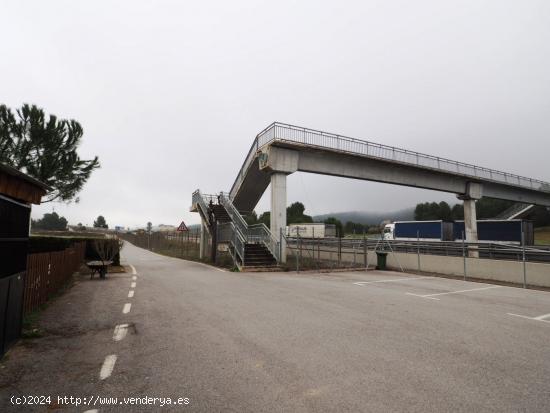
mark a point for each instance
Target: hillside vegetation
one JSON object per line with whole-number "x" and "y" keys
{"x": 542, "y": 236}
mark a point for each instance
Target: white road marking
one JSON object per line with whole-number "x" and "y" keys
{"x": 539, "y": 318}
{"x": 133, "y": 269}
{"x": 120, "y": 332}
{"x": 389, "y": 281}
{"x": 130, "y": 293}
{"x": 127, "y": 308}
{"x": 108, "y": 366}
{"x": 92, "y": 411}
{"x": 134, "y": 278}
{"x": 133, "y": 285}
{"x": 454, "y": 292}
{"x": 423, "y": 296}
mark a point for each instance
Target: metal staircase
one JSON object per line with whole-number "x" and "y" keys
{"x": 516, "y": 211}
{"x": 249, "y": 245}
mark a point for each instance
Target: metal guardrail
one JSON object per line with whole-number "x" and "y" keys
{"x": 280, "y": 132}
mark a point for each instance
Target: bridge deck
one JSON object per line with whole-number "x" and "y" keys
{"x": 314, "y": 139}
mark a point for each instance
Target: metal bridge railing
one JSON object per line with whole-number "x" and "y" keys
{"x": 280, "y": 132}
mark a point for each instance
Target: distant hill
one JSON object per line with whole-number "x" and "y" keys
{"x": 369, "y": 218}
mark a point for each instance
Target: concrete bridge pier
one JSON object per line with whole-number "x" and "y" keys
{"x": 278, "y": 210}
{"x": 474, "y": 191}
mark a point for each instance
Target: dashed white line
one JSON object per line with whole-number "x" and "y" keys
{"x": 126, "y": 308}
{"x": 389, "y": 281}
{"x": 108, "y": 366}
{"x": 133, "y": 285}
{"x": 133, "y": 269}
{"x": 130, "y": 293}
{"x": 430, "y": 296}
{"x": 134, "y": 278}
{"x": 120, "y": 332}
{"x": 91, "y": 411}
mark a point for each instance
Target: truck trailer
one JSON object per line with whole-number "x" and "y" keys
{"x": 500, "y": 230}
{"x": 424, "y": 230}
{"x": 489, "y": 230}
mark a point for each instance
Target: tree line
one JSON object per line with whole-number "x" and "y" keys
{"x": 54, "y": 222}
{"x": 486, "y": 208}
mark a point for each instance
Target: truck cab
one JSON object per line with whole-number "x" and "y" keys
{"x": 389, "y": 231}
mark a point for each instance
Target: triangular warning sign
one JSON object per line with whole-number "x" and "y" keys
{"x": 182, "y": 227}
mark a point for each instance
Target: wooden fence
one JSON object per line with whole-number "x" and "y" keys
{"x": 47, "y": 272}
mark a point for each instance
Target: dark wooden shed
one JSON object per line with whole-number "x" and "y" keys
{"x": 18, "y": 192}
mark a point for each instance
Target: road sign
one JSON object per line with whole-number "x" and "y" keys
{"x": 182, "y": 227}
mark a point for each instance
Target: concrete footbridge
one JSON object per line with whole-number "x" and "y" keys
{"x": 282, "y": 149}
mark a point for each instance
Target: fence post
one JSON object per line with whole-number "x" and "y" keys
{"x": 298, "y": 252}
{"x": 339, "y": 250}
{"x": 365, "y": 251}
{"x": 280, "y": 244}
{"x": 523, "y": 257}
{"x": 418, "y": 248}
{"x": 301, "y": 248}
{"x": 464, "y": 255}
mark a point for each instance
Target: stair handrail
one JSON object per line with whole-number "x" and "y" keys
{"x": 235, "y": 238}
{"x": 198, "y": 199}
{"x": 233, "y": 213}
{"x": 266, "y": 237}
{"x": 252, "y": 233}
{"x": 512, "y": 211}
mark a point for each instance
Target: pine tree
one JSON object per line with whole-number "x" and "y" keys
{"x": 45, "y": 148}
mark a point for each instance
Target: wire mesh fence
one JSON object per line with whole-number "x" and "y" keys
{"x": 185, "y": 245}
{"x": 475, "y": 260}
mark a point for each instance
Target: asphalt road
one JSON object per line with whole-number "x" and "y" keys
{"x": 269, "y": 342}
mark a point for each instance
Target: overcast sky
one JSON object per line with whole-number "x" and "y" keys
{"x": 172, "y": 93}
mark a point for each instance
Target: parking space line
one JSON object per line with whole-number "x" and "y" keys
{"x": 431, "y": 296}
{"x": 360, "y": 283}
{"x": 539, "y": 318}
{"x": 423, "y": 296}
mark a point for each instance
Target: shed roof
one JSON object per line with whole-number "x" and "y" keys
{"x": 20, "y": 186}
